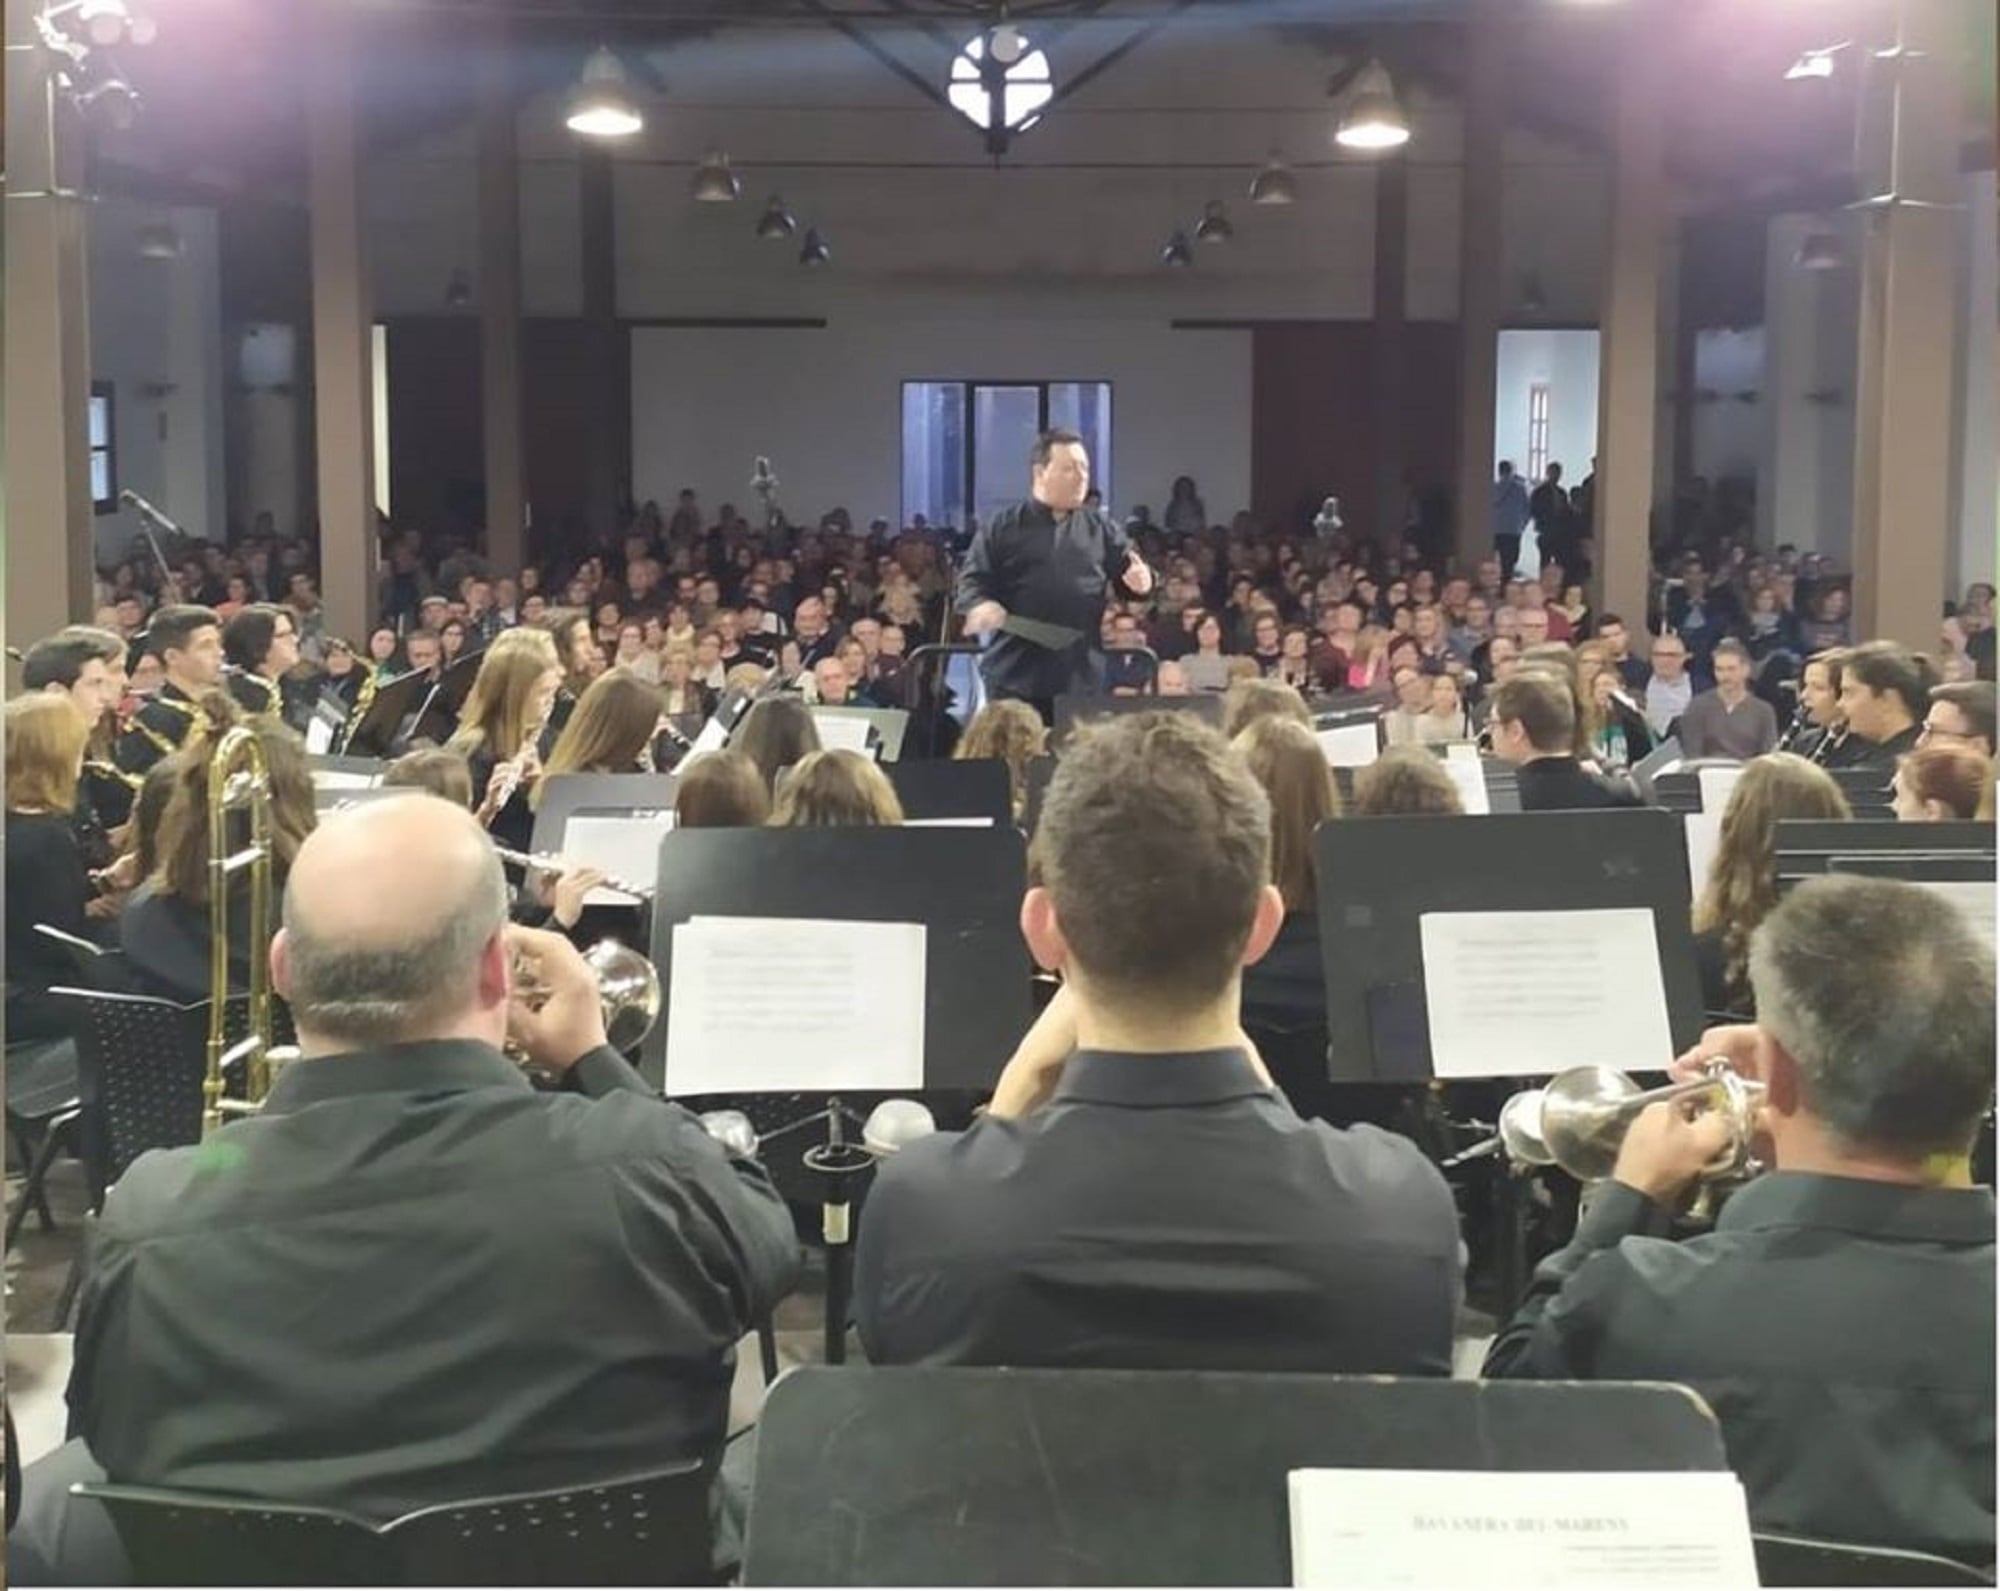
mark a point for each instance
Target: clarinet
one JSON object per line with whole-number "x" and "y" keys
{"x": 1795, "y": 730}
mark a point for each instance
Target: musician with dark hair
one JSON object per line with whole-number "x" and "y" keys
{"x": 1839, "y": 1320}
{"x": 1961, "y": 714}
{"x": 188, "y": 642}
{"x": 260, "y": 646}
{"x": 1885, "y": 692}
{"x": 1051, "y": 560}
{"x": 87, "y": 664}
{"x": 1533, "y": 721}
{"x": 1135, "y": 1138}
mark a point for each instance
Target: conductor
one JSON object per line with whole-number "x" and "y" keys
{"x": 1048, "y": 562}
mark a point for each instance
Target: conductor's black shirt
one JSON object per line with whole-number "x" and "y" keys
{"x": 1055, "y": 568}
{"x": 1841, "y": 1330}
{"x": 1161, "y": 1212}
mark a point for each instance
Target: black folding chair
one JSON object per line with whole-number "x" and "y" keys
{"x": 43, "y": 1109}
{"x": 1798, "y": 1561}
{"x": 648, "y": 1530}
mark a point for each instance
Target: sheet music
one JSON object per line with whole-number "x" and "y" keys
{"x": 1470, "y": 778}
{"x": 626, "y": 847}
{"x": 1515, "y": 994}
{"x": 795, "y": 1005}
{"x": 1461, "y": 751}
{"x": 1704, "y": 833}
{"x": 1716, "y": 785}
{"x": 1349, "y": 745}
{"x": 838, "y": 733}
{"x": 947, "y": 823}
{"x": 1975, "y": 899}
{"x": 340, "y": 779}
{"x": 1356, "y": 1528}
{"x": 319, "y": 736}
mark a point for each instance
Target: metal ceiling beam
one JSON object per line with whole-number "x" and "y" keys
{"x": 875, "y": 48}
{"x": 1117, "y": 53}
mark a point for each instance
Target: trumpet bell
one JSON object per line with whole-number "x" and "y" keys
{"x": 628, "y": 986}
{"x": 1521, "y": 1129}
{"x": 1583, "y": 1118}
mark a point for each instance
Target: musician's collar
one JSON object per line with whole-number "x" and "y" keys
{"x": 1187, "y": 1077}
{"x": 432, "y": 1066}
{"x": 1860, "y": 1206}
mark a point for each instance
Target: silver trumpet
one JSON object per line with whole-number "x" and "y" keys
{"x": 628, "y": 991}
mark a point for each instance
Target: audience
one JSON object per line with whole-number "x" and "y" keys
{"x": 1864, "y": 1252}
{"x": 1729, "y": 721}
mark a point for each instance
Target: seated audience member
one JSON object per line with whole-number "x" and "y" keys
{"x": 1941, "y": 784}
{"x": 680, "y": 696}
{"x": 721, "y": 790}
{"x": 1172, "y": 680}
{"x": 1251, "y": 699}
{"x": 1286, "y": 987}
{"x": 1742, "y": 884}
{"x": 1534, "y": 725}
{"x": 1014, "y": 733}
{"x": 164, "y": 928}
{"x": 1135, "y": 1136}
{"x": 1405, "y": 782}
{"x": 611, "y": 730}
{"x": 835, "y": 790}
{"x": 443, "y": 773}
{"x": 831, "y": 685}
{"x": 1409, "y": 722}
{"x": 1669, "y": 689}
{"x": 1962, "y": 715}
{"x": 1861, "y": 1409}
{"x": 776, "y": 733}
{"x": 1731, "y": 720}
{"x": 1884, "y": 694}
{"x": 47, "y": 882}
{"x": 1448, "y": 719}
{"x": 453, "y": 1366}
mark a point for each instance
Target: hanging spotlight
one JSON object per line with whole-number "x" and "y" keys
{"x": 714, "y": 182}
{"x": 159, "y": 242}
{"x": 601, "y": 105}
{"x": 776, "y": 221}
{"x": 1214, "y": 225}
{"x": 1009, "y": 44}
{"x": 109, "y": 22}
{"x": 814, "y": 250}
{"x": 1373, "y": 120}
{"x": 1275, "y": 184}
{"x": 458, "y": 291}
{"x": 1179, "y": 251}
{"x": 1821, "y": 251}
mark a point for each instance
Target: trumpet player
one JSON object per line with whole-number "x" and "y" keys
{"x": 412, "y": 1279}
{"x": 1839, "y": 1320}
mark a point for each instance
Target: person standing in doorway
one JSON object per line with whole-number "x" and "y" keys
{"x": 1510, "y": 517}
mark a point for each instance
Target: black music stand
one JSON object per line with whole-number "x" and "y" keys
{"x": 977, "y": 788}
{"x": 964, "y": 885}
{"x": 934, "y": 1476}
{"x": 437, "y": 718}
{"x": 1869, "y": 791}
{"x": 1804, "y": 847}
{"x": 374, "y": 733}
{"x": 566, "y": 793}
{"x": 924, "y": 672}
{"x": 1040, "y": 771}
{"x": 1074, "y": 710}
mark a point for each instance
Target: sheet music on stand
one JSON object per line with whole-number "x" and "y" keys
{"x": 620, "y": 844}
{"x": 846, "y": 734}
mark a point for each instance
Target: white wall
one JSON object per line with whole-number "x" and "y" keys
{"x": 1806, "y": 484}
{"x": 1567, "y": 362}
{"x": 156, "y": 334}
{"x": 825, "y": 406}
{"x": 1976, "y": 522}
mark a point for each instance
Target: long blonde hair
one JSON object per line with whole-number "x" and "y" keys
{"x": 1014, "y": 733}
{"x": 46, "y": 739}
{"x": 612, "y": 725}
{"x": 1286, "y": 758}
{"x": 1742, "y": 886}
{"x": 495, "y": 719}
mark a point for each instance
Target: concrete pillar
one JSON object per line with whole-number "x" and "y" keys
{"x": 49, "y": 556}
{"x": 1628, "y": 349}
{"x": 343, "y": 385}
{"x": 500, "y": 304}
{"x": 1481, "y": 282}
{"x": 1908, "y": 345}
{"x": 1976, "y": 444}
{"x": 1392, "y": 255}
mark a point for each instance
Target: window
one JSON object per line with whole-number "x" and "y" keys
{"x": 103, "y": 449}
{"x": 1538, "y": 430}
{"x": 966, "y": 443}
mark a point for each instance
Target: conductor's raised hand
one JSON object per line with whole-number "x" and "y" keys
{"x": 1138, "y": 574}
{"x": 984, "y": 617}
{"x": 554, "y": 1015}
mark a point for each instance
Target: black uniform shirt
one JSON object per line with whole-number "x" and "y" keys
{"x": 1053, "y": 568}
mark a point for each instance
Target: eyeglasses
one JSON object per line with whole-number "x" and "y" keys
{"x": 1939, "y": 732}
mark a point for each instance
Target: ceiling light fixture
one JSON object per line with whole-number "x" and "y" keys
{"x": 1816, "y": 65}
{"x": 1214, "y": 226}
{"x": 814, "y": 250}
{"x": 109, "y": 22}
{"x": 776, "y": 221}
{"x": 1275, "y": 184}
{"x": 714, "y": 182}
{"x": 601, "y": 105}
{"x": 1373, "y": 120}
{"x": 1178, "y": 252}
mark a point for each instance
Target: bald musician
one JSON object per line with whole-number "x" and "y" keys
{"x": 1839, "y": 1319}
{"x": 413, "y": 1279}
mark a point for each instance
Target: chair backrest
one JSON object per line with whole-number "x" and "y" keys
{"x": 649, "y": 1530}
{"x": 141, "y": 1059}
{"x": 1797, "y": 1561}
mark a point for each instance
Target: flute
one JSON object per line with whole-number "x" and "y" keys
{"x": 555, "y": 864}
